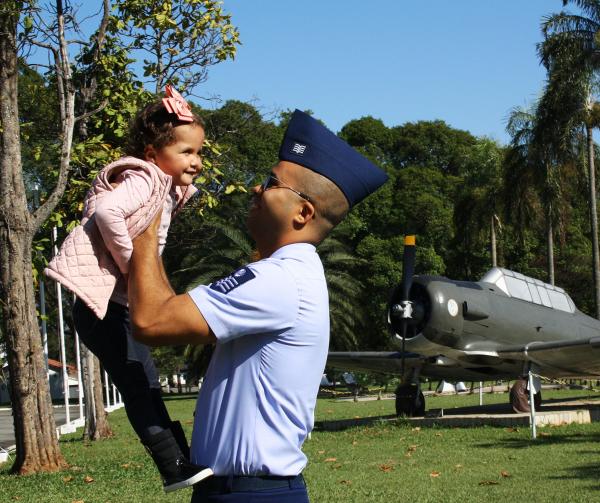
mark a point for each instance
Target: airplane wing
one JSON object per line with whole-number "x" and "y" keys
{"x": 384, "y": 362}
{"x": 390, "y": 362}
{"x": 570, "y": 358}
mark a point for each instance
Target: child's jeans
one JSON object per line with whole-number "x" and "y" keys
{"x": 127, "y": 362}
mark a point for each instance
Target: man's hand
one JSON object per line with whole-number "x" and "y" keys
{"x": 158, "y": 316}
{"x": 150, "y": 235}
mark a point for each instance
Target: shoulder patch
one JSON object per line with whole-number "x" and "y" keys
{"x": 231, "y": 282}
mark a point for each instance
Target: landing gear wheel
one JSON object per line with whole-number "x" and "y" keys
{"x": 409, "y": 401}
{"x": 519, "y": 396}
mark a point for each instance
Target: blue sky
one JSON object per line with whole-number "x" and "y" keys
{"x": 467, "y": 62}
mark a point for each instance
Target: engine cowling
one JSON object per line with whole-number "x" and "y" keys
{"x": 437, "y": 311}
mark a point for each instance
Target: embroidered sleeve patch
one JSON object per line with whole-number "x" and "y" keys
{"x": 231, "y": 282}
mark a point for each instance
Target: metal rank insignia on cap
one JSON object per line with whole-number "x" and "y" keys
{"x": 298, "y": 148}
{"x": 231, "y": 282}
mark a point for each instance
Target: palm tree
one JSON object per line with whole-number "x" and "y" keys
{"x": 532, "y": 163}
{"x": 347, "y": 314}
{"x": 571, "y": 55}
{"x": 476, "y": 212}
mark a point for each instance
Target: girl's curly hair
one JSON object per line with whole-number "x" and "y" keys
{"x": 154, "y": 125}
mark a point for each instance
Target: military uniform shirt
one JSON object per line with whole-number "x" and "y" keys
{"x": 256, "y": 404}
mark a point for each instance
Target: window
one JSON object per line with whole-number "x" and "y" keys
{"x": 518, "y": 288}
{"x": 559, "y": 300}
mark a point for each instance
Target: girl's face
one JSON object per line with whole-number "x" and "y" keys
{"x": 182, "y": 158}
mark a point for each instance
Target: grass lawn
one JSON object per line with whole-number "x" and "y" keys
{"x": 385, "y": 462}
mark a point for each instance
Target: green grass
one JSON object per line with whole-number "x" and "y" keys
{"x": 385, "y": 462}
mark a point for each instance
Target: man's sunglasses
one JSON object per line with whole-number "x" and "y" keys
{"x": 272, "y": 182}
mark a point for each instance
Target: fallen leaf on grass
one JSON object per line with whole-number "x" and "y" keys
{"x": 354, "y": 442}
{"x": 330, "y": 460}
{"x": 458, "y": 466}
{"x": 512, "y": 430}
{"x": 346, "y": 482}
{"x": 68, "y": 478}
{"x": 329, "y": 411}
{"x": 88, "y": 479}
{"x": 505, "y": 474}
{"x": 126, "y": 465}
{"x": 75, "y": 468}
{"x": 412, "y": 448}
{"x": 438, "y": 434}
{"x": 386, "y": 468}
{"x": 16, "y": 498}
{"x": 336, "y": 467}
{"x": 434, "y": 474}
{"x": 544, "y": 434}
{"x": 320, "y": 452}
{"x": 416, "y": 428}
{"x": 77, "y": 501}
{"x": 489, "y": 483}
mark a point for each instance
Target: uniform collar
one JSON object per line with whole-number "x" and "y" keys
{"x": 293, "y": 249}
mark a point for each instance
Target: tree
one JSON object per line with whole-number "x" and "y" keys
{"x": 531, "y": 173}
{"x": 37, "y": 443}
{"x": 569, "y": 52}
{"x": 96, "y": 422}
{"x": 35, "y": 430}
{"x": 179, "y": 41}
{"x": 478, "y": 206}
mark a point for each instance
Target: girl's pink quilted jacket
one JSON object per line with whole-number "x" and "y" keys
{"x": 84, "y": 264}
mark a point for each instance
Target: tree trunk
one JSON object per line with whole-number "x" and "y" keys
{"x": 35, "y": 429}
{"x": 493, "y": 241}
{"x": 550, "y": 244}
{"x": 96, "y": 418}
{"x": 593, "y": 217}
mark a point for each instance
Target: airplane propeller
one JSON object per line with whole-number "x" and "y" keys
{"x": 404, "y": 308}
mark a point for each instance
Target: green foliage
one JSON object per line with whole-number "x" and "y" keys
{"x": 431, "y": 143}
{"x": 178, "y": 41}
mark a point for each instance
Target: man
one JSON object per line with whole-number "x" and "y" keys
{"x": 269, "y": 320}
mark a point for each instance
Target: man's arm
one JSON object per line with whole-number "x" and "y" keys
{"x": 158, "y": 316}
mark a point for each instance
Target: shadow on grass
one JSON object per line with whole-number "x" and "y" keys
{"x": 345, "y": 424}
{"x": 171, "y": 397}
{"x": 583, "y": 472}
{"x": 543, "y": 439}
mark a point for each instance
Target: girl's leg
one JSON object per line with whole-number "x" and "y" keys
{"x": 128, "y": 363}
{"x": 132, "y": 370}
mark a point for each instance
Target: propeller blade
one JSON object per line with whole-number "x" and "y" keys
{"x": 408, "y": 269}
{"x": 402, "y": 363}
{"x": 408, "y": 265}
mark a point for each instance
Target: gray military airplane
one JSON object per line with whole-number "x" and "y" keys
{"x": 501, "y": 327}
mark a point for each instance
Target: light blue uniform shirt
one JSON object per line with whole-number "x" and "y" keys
{"x": 256, "y": 404}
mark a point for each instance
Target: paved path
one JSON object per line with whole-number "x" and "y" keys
{"x": 7, "y": 434}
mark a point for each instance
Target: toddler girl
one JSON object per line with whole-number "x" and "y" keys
{"x": 164, "y": 150}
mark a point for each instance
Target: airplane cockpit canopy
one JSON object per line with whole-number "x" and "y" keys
{"x": 533, "y": 290}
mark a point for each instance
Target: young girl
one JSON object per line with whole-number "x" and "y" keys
{"x": 164, "y": 150}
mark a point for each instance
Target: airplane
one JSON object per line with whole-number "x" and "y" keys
{"x": 498, "y": 328}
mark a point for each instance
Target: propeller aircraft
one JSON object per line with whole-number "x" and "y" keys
{"x": 501, "y": 327}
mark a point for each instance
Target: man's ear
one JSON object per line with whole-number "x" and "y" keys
{"x": 150, "y": 153}
{"x": 306, "y": 213}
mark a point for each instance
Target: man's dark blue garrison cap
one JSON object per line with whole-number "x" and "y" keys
{"x": 308, "y": 143}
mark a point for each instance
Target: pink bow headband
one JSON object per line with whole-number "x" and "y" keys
{"x": 176, "y": 104}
